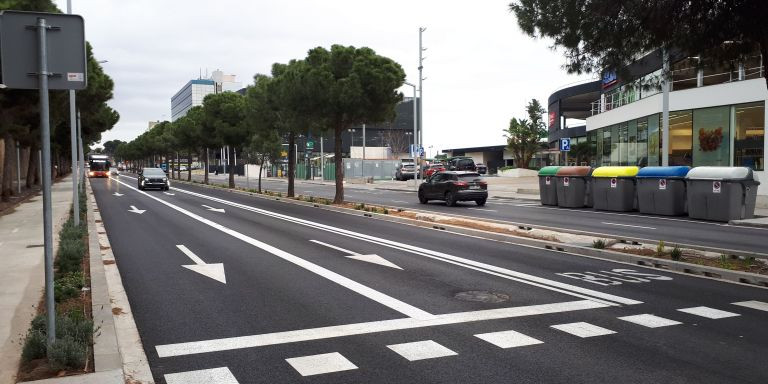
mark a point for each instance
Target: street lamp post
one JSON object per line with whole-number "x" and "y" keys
{"x": 415, "y": 128}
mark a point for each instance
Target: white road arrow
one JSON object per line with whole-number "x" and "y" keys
{"x": 118, "y": 194}
{"x": 375, "y": 259}
{"x": 204, "y": 376}
{"x": 136, "y": 210}
{"x": 220, "y": 210}
{"x": 214, "y": 271}
{"x": 170, "y": 194}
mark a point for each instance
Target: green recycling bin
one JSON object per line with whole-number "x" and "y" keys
{"x": 547, "y": 187}
{"x": 574, "y": 187}
{"x": 613, "y": 188}
{"x": 722, "y": 193}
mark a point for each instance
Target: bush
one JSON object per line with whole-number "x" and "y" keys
{"x": 598, "y": 244}
{"x": 70, "y": 255}
{"x": 68, "y": 286}
{"x": 34, "y": 346}
{"x": 660, "y": 248}
{"x": 676, "y": 253}
{"x": 67, "y": 353}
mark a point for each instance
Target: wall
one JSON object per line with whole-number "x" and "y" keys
{"x": 371, "y": 153}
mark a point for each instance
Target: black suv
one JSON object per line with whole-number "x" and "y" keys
{"x": 461, "y": 164}
{"x": 153, "y": 178}
{"x": 452, "y": 186}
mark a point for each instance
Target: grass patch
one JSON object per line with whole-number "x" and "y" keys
{"x": 598, "y": 244}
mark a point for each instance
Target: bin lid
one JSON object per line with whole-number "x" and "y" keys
{"x": 663, "y": 172}
{"x": 615, "y": 172}
{"x": 549, "y": 171}
{"x": 721, "y": 173}
{"x": 574, "y": 171}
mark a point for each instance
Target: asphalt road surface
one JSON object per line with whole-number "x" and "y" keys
{"x": 228, "y": 288}
{"x": 673, "y": 230}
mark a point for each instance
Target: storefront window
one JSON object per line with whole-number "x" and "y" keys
{"x": 654, "y": 142}
{"x": 592, "y": 140}
{"x": 680, "y": 134}
{"x": 632, "y": 143}
{"x": 749, "y": 136}
{"x": 606, "y": 146}
{"x": 711, "y": 133}
{"x": 615, "y": 144}
{"x": 642, "y": 142}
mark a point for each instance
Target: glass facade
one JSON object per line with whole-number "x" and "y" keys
{"x": 718, "y": 136}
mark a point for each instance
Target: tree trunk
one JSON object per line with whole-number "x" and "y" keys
{"x": 205, "y": 177}
{"x": 189, "y": 165}
{"x": 8, "y": 167}
{"x": 261, "y": 169}
{"x": 231, "y": 168}
{"x": 339, "y": 197}
{"x": 32, "y": 167}
{"x": 291, "y": 162}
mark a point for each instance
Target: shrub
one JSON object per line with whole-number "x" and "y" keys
{"x": 68, "y": 286}
{"x": 725, "y": 262}
{"x": 676, "y": 253}
{"x": 67, "y": 353}
{"x": 598, "y": 244}
{"x": 660, "y": 248}
{"x": 34, "y": 345}
{"x": 70, "y": 255}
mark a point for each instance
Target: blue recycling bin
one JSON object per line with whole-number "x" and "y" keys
{"x": 662, "y": 190}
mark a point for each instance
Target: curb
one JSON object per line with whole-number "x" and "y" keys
{"x": 750, "y": 223}
{"x": 117, "y": 345}
{"x": 702, "y": 271}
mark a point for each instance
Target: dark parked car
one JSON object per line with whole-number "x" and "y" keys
{"x": 452, "y": 186}
{"x": 461, "y": 164}
{"x": 481, "y": 168}
{"x": 405, "y": 171}
{"x": 153, "y": 178}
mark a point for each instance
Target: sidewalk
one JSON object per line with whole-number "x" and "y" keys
{"x": 22, "y": 274}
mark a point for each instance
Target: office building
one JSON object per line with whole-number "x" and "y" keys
{"x": 193, "y": 93}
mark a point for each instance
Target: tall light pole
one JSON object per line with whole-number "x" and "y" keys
{"x": 73, "y": 143}
{"x": 415, "y": 125}
{"x": 421, "y": 88}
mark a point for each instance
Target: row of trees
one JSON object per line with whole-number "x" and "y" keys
{"x": 20, "y": 121}
{"x": 326, "y": 92}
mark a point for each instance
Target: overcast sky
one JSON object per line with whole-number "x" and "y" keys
{"x": 480, "y": 69}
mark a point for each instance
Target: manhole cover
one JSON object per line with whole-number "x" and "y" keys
{"x": 482, "y": 296}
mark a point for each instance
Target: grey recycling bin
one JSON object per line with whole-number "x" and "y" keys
{"x": 613, "y": 188}
{"x": 661, "y": 190}
{"x": 547, "y": 189}
{"x": 573, "y": 187}
{"x": 721, "y": 193}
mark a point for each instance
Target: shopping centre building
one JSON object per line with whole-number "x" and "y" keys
{"x": 716, "y": 115}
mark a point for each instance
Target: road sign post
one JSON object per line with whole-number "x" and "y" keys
{"x": 565, "y": 146}
{"x": 52, "y": 58}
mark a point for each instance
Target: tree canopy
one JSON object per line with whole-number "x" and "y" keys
{"x": 524, "y": 135}
{"x": 599, "y": 35}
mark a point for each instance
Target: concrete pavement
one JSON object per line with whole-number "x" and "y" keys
{"x": 22, "y": 273}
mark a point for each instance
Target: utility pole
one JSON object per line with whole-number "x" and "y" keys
{"x": 665, "y": 109}
{"x": 362, "y": 171}
{"x": 73, "y": 143}
{"x": 18, "y": 168}
{"x": 421, "y": 105}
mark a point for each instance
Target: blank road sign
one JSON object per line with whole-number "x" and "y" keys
{"x": 19, "y": 50}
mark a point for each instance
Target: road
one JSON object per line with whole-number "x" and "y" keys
{"x": 228, "y": 288}
{"x": 673, "y": 230}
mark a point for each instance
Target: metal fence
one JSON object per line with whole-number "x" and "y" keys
{"x": 377, "y": 169}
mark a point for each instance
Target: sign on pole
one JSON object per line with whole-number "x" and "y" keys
{"x": 565, "y": 144}
{"x": 65, "y": 36}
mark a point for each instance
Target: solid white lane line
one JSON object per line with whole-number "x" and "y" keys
{"x": 508, "y": 339}
{"x": 483, "y": 209}
{"x": 348, "y": 252}
{"x": 400, "y": 201}
{"x": 345, "y": 282}
{"x": 583, "y": 329}
{"x": 421, "y": 350}
{"x": 627, "y": 225}
{"x": 466, "y": 263}
{"x": 754, "y": 304}
{"x": 319, "y": 364}
{"x": 252, "y": 341}
{"x": 204, "y": 376}
{"x": 709, "y": 313}
{"x": 650, "y": 321}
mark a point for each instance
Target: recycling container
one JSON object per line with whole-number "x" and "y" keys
{"x": 547, "y": 188}
{"x": 613, "y": 188}
{"x": 573, "y": 187}
{"x": 661, "y": 190}
{"x": 721, "y": 193}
